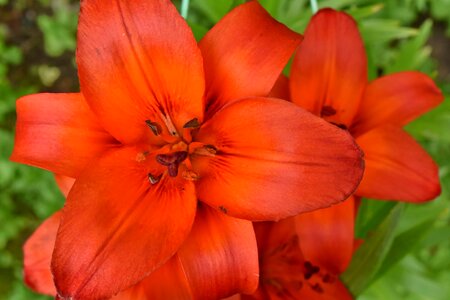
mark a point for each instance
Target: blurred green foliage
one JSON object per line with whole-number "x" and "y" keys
{"x": 406, "y": 253}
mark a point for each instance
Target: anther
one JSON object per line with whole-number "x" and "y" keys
{"x": 155, "y": 127}
{"x": 211, "y": 149}
{"x": 172, "y": 161}
{"x": 154, "y": 179}
{"x": 190, "y": 175}
{"x": 327, "y": 111}
{"x": 194, "y": 123}
{"x": 310, "y": 270}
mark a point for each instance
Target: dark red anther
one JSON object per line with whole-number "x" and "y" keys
{"x": 154, "y": 127}
{"x": 327, "y": 111}
{"x": 172, "y": 161}
{"x": 310, "y": 270}
{"x": 194, "y": 123}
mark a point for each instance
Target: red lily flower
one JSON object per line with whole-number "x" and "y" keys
{"x": 329, "y": 78}
{"x": 302, "y": 257}
{"x": 156, "y": 127}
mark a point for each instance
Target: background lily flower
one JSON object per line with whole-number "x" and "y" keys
{"x": 157, "y": 126}
{"x": 329, "y": 78}
{"x": 302, "y": 257}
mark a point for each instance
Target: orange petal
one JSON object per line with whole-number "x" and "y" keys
{"x": 220, "y": 256}
{"x": 58, "y": 132}
{"x": 137, "y": 61}
{"x": 274, "y": 160}
{"x": 396, "y": 99}
{"x": 218, "y": 259}
{"x": 244, "y": 54}
{"x": 117, "y": 227}
{"x": 38, "y": 254}
{"x": 327, "y": 236}
{"x": 165, "y": 283}
{"x": 329, "y": 71}
{"x": 397, "y": 168}
{"x": 64, "y": 183}
{"x": 281, "y": 88}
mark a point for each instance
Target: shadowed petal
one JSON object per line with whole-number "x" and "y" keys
{"x": 138, "y": 60}
{"x": 274, "y": 160}
{"x": 326, "y": 236}
{"x": 64, "y": 183}
{"x": 58, "y": 132}
{"x": 396, "y": 99}
{"x": 38, "y": 254}
{"x": 329, "y": 71}
{"x": 166, "y": 282}
{"x": 244, "y": 54}
{"x": 117, "y": 227}
{"x": 219, "y": 258}
{"x": 397, "y": 168}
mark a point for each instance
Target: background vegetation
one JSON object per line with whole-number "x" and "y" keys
{"x": 407, "y": 250}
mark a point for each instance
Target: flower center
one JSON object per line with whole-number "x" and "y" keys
{"x": 176, "y": 150}
{"x": 172, "y": 161}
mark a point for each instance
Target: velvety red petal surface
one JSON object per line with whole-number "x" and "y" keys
{"x": 397, "y": 167}
{"x": 396, "y": 99}
{"x": 117, "y": 227}
{"x": 329, "y": 71}
{"x": 58, "y": 132}
{"x": 327, "y": 236}
{"x": 38, "y": 254}
{"x": 274, "y": 160}
{"x": 219, "y": 258}
{"x": 138, "y": 60}
{"x": 244, "y": 54}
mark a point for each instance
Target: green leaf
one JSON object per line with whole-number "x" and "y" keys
{"x": 403, "y": 244}
{"x": 371, "y": 213}
{"x": 370, "y": 255}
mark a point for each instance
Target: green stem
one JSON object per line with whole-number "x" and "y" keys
{"x": 314, "y": 6}
{"x": 184, "y": 8}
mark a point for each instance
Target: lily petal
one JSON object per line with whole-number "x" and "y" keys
{"x": 218, "y": 259}
{"x": 38, "y": 254}
{"x": 396, "y": 99}
{"x": 137, "y": 61}
{"x": 323, "y": 291}
{"x": 58, "y": 132}
{"x": 397, "y": 168}
{"x": 113, "y": 234}
{"x": 281, "y": 88}
{"x": 329, "y": 71}
{"x": 166, "y": 282}
{"x": 64, "y": 183}
{"x": 274, "y": 160}
{"x": 327, "y": 236}
{"x": 244, "y": 54}
{"x": 220, "y": 256}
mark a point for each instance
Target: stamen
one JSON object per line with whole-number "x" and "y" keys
{"x": 327, "y": 111}
{"x": 172, "y": 161}
{"x": 154, "y": 179}
{"x": 211, "y": 149}
{"x": 194, "y": 123}
{"x": 190, "y": 175}
{"x": 310, "y": 270}
{"x": 155, "y": 127}
{"x": 223, "y": 209}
